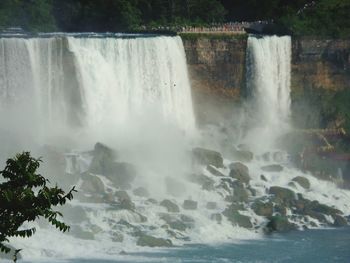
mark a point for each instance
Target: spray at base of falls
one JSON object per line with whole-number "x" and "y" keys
{"x": 149, "y": 186}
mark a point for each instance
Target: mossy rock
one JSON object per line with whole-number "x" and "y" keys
{"x": 233, "y": 215}
{"x": 284, "y": 195}
{"x": 240, "y": 172}
{"x": 150, "y": 241}
{"x": 280, "y": 224}
{"x": 263, "y": 209}
{"x": 207, "y": 157}
{"x": 170, "y": 206}
{"x": 302, "y": 181}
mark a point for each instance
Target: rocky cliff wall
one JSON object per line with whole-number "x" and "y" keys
{"x": 217, "y": 70}
{"x": 320, "y": 64}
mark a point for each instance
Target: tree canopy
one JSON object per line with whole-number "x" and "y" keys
{"x": 25, "y": 197}
{"x": 303, "y": 17}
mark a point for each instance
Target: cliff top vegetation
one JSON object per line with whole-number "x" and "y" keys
{"x": 301, "y": 17}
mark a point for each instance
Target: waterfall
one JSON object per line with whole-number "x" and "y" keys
{"x": 268, "y": 80}
{"x": 59, "y": 83}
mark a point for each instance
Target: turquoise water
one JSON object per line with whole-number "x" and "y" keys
{"x": 307, "y": 246}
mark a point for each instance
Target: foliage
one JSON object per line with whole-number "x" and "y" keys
{"x": 32, "y": 15}
{"x": 25, "y": 196}
{"x": 220, "y": 36}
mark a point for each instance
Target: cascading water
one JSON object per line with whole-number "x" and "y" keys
{"x": 60, "y": 83}
{"x": 268, "y": 80}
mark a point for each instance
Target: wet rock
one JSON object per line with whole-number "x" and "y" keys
{"x": 339, "y": 221}
{"x": 302, "y": 181}
{"x": 126, "y": 204}
{"x": 109, "y": 198}
{"x": 207, "y": 157}
{"x": 263, "y": 209}
{"x": 174, "y": 223}
{"x": 122, "y": 174}
{"x": 150, "y": 241}
{"x": 272, "y": 168}
{"x": 117, "y": 237}
{"x": 263, "y": 178}
{"x": 279, "y": 224}
{"x": 141, "y": 191}
{"x": 236, "y": 218}
{"x": 284, "y": 195}
{"x": 190, "y": 205}
{"x": 292, "y": 184}
{"x": 92, "y": 184}
{"x": 243, "y": 155}
{"x": 240, "y": 193}
{"x": 240, "y": 172}
{"x": 122, "y": 195}
{"x": 206, "y": 182}
{"x": 214, "y": 171}
{"x": 211, "y": 205}
{"x": 170, "y": 206}
{"x": 102, "y": 161}
{"x": 186, "y": 219}
{"x": 216, "y": 217}
{"x": 280, "y": 209}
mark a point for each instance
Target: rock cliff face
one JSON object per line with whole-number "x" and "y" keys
{"x": 320, "y": 64}
{"x": 217, "y": 70}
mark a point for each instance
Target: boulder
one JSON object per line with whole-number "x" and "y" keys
{"x": 102, "y": 161}
{"x": 170, "y": 206}
{"x": 339, "y": 221}
{"x": 284, "y": 195}
{"x": 207, "y": 157}
{"x": 263, "y": 178}
{"x": 240, "y": 193}
{"x": 117, "y": 237}
{"x": 272, "y": 168}
{"x": 240, "y": 172}
{"x": 263, "y": 209}
{"x": 174, "y": 222}
{"x": 235, "y": 217}
{"x": 122, "y": 174}
{"x": 279, "y": 224}
{"x": 302, "y": 181}
{"x": 92, "y": 184}
{"x": 150, "y": 241}
{"x": 211, "y": 205}
{"x": 206, "y": 182}
{"x": 122, "y": 195}
{"x": 214, "y": 171}
{"x": 190, "y": 205}
{"x": 242, "y": 155}
{"x": 141, "y": 191}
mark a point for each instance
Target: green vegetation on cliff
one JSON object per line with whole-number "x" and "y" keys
{"x": 302, "y": 17}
